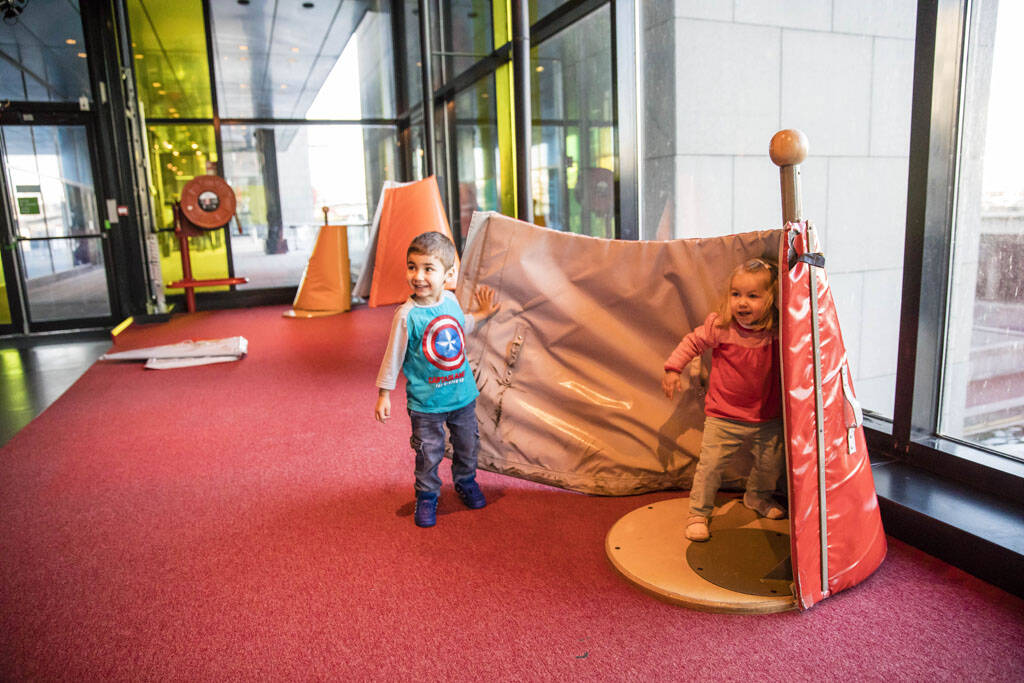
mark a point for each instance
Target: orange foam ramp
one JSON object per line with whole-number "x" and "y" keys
{"x": 326, "y": 286}
{"x": 406, "y": 211}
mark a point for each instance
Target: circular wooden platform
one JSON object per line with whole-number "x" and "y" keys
{"x": 743, "y": 569}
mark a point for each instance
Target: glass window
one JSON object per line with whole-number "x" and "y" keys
{"x": 305, "y": 63}
{"x": 5, "y": 303}
{"x": 49, "y": 171}
{"x": 573, "y": 154}
{"x": 44, "y": 53}
{"x": 419, "y": 155}
{"x": 176, "y": 155}
{"x": 57, "y": 225}
{"x": 477, "y": 153}
{"x": 541, "y": 8}
{"x": 283, "y": 177}
{"x": 467, "y": 34}
{"x": 721, "y": 80}
{"x": 66, "y": 279}
{"x": 172, "y": 73}
{"x": 413, "y": 77}
{"x": 983, "y": 388}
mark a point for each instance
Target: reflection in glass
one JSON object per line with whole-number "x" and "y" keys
{"x": 5, "y": 303}
{"x": 541, "y": 8}
{"x": 466, "y": 34}
{"x": 65, "y": 279}
{"x": 45, "y": 58}
{"x": 983, "y": 393}
{"x": 325, "y": 61}
{"x": 574, "y": 158}
{"x": 177, "y": 154}
{"x": 419, "y": 156}
{"x": 48, "y": 169}
{"x": 284, "y": 175}
{"x": 477, "y": 153}
{"x": 413, "y": 79}
{"x": 172, "y": 72}
{"x": 56, "y": 222}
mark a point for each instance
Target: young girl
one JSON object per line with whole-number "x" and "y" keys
{"x": 743, "y": 402}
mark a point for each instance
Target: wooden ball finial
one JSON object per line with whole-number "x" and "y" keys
{"x": 788, "y": 147}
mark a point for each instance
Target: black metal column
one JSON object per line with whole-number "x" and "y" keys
{"x": 428, "y": 85}
{"x": 523, "y": 116}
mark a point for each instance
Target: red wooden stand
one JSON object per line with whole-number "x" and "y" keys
{"x": 207, "y": 203}
{"x": 184, "y": 229}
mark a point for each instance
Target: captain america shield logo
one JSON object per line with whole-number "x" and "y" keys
{"x": 443, "y": 343}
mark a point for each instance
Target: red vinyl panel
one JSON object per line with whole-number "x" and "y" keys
{"x": 855, "y": 538}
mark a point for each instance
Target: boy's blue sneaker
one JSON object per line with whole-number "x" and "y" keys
{"x": 470, "y": 494}
{"x": 426, "y": 510}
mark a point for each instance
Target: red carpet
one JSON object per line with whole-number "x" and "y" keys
{"x": 251, "y": 521}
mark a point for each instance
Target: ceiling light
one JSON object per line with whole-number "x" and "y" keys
{"x": 71, "y": 41}
{"x": 295, "y": 49}
{"x": 284, "y": 86}
{"x": 243, "y": 47}
{"x": 161, "y": 92}
{"x": 539, "y": 69}
{"x": 194, "y": 145}
{"x": 157, "y": 84}
{"x": 82, "y": 55}
{"x": 140, "y": 56}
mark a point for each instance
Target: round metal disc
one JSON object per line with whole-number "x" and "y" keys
{"x": 208, "y": 202}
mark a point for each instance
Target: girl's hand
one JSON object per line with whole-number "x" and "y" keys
{"x": 485, "y": 303}
{"x": 671, "y": 383}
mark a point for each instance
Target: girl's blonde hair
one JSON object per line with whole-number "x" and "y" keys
{"x": 768, "y": 270}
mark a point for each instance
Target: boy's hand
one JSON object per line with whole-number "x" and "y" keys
{"x": 485, "y": 303}
{"x": 382, "y": 411}
{"x": 671, "y": 383}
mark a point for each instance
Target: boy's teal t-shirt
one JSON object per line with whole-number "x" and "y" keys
{"x": 437, "y": 373}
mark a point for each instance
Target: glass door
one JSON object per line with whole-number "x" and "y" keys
{"x": 55, "y": 271}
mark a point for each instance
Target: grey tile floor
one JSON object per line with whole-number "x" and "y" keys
{"x": 35, "y": 372}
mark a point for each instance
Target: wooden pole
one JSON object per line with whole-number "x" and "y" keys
{"x": 788, "y": 149}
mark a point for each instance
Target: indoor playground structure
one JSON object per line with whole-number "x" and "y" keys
{"x": 569, "y": 375}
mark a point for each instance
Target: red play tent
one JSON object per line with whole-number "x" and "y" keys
{"x": 835, "y": 527}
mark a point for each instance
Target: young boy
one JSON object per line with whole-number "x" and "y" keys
{"x": 427, "y": 344}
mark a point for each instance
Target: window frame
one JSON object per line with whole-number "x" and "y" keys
{"x": 942, "y": 41}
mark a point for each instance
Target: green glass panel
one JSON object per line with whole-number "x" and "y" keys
{"x": 172, "y": 72}
{"x": 5, "y": 308}
{"x": 176, "y": 155}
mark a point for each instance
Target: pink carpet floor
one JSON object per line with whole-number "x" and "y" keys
{"x": 251, "y": 521}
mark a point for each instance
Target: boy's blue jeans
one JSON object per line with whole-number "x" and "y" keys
{"x": 428, "y": 441}
{"x": 722, "y": 440}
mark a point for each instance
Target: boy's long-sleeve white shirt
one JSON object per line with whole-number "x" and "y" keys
{"x": 435, "y": 367}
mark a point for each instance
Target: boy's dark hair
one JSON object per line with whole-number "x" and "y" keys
{"x": 434, "y": 244}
